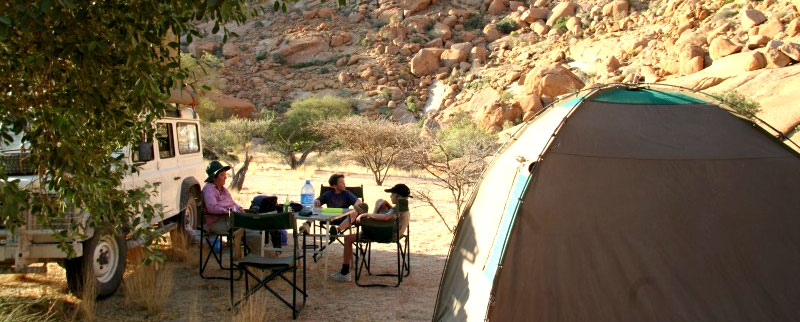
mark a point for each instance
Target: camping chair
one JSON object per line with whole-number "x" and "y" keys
{"x": 277, "y": 266}
{"x": 358, "y": 191}
{"x": 385, "y": 231}
{"x": 209, "y": 238}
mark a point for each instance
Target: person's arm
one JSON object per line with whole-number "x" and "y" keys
{"x": 382, "y": 217}
{"x": 321, "y": 200}
{"x": 352, "y": 199}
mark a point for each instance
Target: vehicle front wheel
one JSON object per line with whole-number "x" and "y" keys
{"x": 102, "y": 264}
{"x": 187, "y": 222}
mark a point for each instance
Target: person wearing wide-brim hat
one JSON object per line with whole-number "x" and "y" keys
{"x": 383, "y": 211}
{"x": 218, "y": 200}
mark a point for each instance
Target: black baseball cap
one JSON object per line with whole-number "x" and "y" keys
{"x": 401, "y": 190}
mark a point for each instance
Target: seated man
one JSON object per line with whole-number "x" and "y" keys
{"x": 383, "y": 211}
{"x": 339, "y": 197}
{"x": 218, "y": 201}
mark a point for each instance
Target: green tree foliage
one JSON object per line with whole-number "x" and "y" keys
{"x": 295, "y": 135}
{"x": 202, "y": 73}
{"x": 228, "y": 139}
{"x": 373, "y": 143}
{"x": 82, "y": 79}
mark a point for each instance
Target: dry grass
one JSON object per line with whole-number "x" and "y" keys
{"x": 85, "y": 310}
{"x": 255, "y": 309}
{"x": 44, "y": 308}
{"x": 148, "y": 286}
{"x": 179, "y": 247}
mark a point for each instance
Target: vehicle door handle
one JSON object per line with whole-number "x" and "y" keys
{"x": 177, "y": 178}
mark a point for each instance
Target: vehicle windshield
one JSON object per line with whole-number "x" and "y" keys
{"x": 16, "y": 141}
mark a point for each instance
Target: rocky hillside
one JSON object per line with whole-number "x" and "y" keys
{"x": 501, "y": 61}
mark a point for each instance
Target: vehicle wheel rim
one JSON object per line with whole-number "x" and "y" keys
{"x": 190, "y": 215}
{"x": 106, "y": 255}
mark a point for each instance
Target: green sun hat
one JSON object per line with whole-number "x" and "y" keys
{"x": 214, "y": 169}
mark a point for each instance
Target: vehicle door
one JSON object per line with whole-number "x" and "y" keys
{"x": 167, "y": 163}
{"x": 146, "y": 172}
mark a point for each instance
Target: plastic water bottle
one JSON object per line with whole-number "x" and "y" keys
{"x": 307, "y": 195}
{"x": 217, "y": 246}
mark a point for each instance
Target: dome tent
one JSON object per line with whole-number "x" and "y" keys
{"x": 631, "y": 204}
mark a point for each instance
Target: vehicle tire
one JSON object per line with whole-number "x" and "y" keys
{"x": 187, "y": 221}
{"x": 104, "y": 258}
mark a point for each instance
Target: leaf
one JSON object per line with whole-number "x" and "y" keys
{"x": 283, "y": 7}
{"x": 276, "y": 6}
{"x": 6, "y": 21}
{"x": 46, "y": 6}
{"x": 216, "y": 27}
{"x": 342, "y": 3}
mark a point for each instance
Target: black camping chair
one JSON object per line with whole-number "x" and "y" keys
{"x": 209, "y": 238}
{"x": 277, "y": 266}
{"x": 394, "y": 231}
{"x": 358, "y": 191}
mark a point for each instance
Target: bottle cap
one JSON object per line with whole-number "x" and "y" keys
{"x": 308, "y": 181}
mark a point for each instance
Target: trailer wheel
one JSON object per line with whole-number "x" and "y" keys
{"x": 102, "y": 263}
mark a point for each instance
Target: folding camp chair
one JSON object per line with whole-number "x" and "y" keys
{"x": 385, "y": 231}
{"x": 277, "y": 266}
{"x": 358, "y": 191}
{"x": 209, "y": 238}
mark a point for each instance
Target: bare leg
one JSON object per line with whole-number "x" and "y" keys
{"x": 381, "y": 206}
{"x": 347, "y": 256}
{"x": 347, "y": 220}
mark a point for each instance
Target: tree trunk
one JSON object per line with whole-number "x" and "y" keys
{"x": 293, "y": 164}
{"x": 238, "y": 178}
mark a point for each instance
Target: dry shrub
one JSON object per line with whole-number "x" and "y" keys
{"x": 86, "y": 307}
{"x": 148, "y": 286}
{"x": 179, "y": 247}
{"x": 255, "y": 309}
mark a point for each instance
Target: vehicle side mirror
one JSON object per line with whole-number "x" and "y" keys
{"x": 145, "y": 151}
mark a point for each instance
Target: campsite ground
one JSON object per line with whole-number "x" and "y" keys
{"x": 194, "y": 299}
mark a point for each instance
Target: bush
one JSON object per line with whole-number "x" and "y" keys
{"x": 278, "y": 58}
{"x": 261, "y": 56}
{"x": 506, "y": 26}
{"x": 324, "y": 70}
{"x": 474, "y": 22}
{"x": 373, "y": 143}
{"x": 561, "y": 23}
{"x": 462, "y": 138}
{"x": 742, "y": 105}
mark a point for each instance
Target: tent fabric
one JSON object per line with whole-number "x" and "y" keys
{"x": 635, "y": 212}
{"x": 465, "y": 288}
{"x": 644, "y": 97}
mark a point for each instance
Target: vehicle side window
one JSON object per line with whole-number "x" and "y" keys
{"x": 188, "y": 140}
{"x": 166, "y": 147}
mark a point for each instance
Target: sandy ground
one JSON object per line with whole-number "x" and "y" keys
{"x": 196, "y": 299}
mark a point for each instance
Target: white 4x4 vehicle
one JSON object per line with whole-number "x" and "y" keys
{"x": 174, "y": 159}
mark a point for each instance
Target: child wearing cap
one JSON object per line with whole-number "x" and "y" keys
{"x": 383, "y": 211}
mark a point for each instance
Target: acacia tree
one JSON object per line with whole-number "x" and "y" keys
{"x": 80, "y": 80}
{"x": 373, "y": 143}
{"x": 228, "y": 138}
{"x": 295, "y": 135}
{"x": 455, "y": 157}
